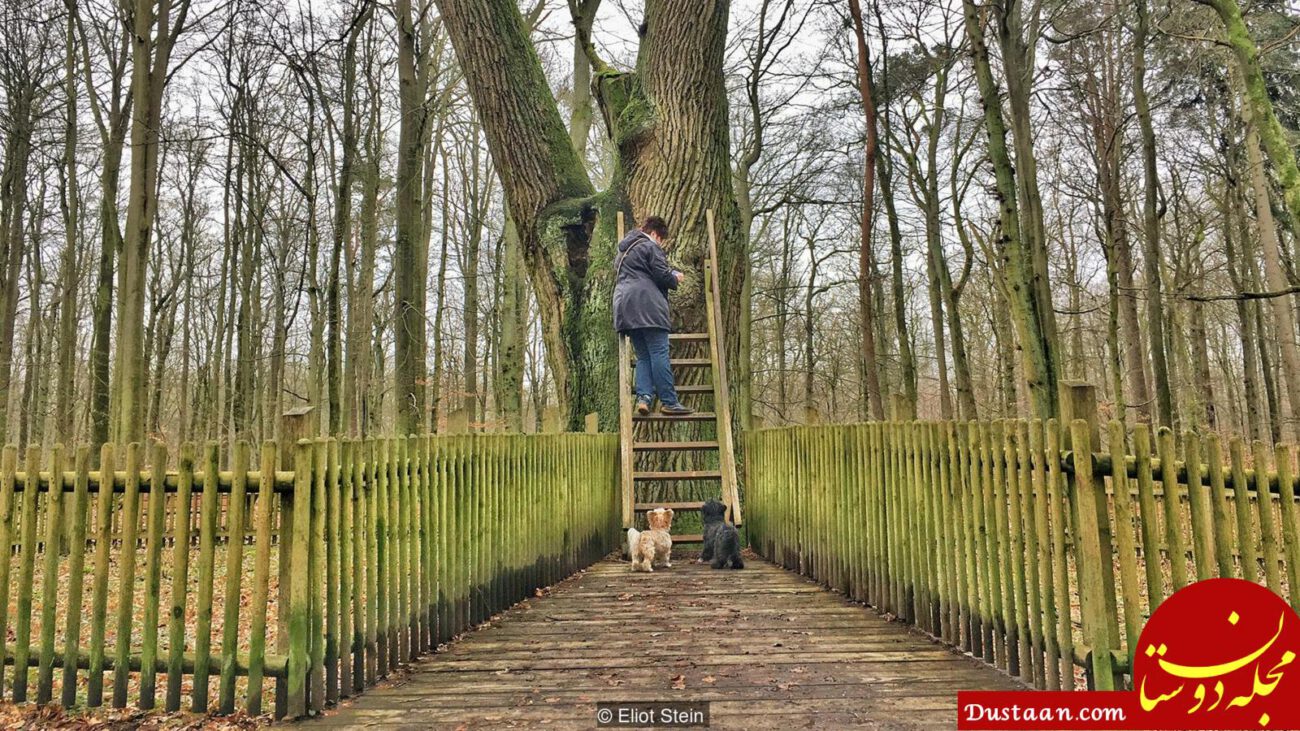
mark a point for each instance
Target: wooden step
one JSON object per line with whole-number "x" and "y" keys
{"x": 646, "y": 507}
{"x": 684, "y": 475}
{"x": 672, "y": 446}
{"x": 689, "y": 538}
{"x": 687, "y": 362}
{"x": 660, "y": 418}
{"x": 689, "y": 388}
{"x": 688, "y": 337}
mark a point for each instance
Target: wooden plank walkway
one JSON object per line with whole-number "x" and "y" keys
{"x": 768, "y": 648}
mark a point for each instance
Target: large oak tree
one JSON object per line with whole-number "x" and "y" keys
{"x": 667, "y": 118}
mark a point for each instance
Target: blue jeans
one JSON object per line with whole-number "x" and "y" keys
{"x": 654, "y": 374}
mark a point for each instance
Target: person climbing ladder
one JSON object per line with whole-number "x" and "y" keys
{"x": 642, "y": 280}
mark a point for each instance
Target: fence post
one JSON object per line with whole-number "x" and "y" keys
{"x": 593, "y": 423}
{"x": 1093, "y": 544}
{"x": 457, "y": 422}
{"x": 298, "y": 609}
{"x": 901, "y": 408}
{"x": 551, "y": 420}
{"x": 295, "y": 424}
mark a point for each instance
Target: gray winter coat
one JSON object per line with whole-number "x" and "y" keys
{"x": 641, "y": 284}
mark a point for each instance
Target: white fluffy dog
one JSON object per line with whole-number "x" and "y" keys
{"x": 653, "y": 547}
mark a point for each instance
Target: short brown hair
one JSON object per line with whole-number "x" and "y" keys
{"x": 655, "y": 225}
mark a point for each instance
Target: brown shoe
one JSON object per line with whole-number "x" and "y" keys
{"x": 676, "y": 410}
{"x": 643, "y": 407}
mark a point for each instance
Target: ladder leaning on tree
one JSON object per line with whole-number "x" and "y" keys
{"x": 720, "y": 416}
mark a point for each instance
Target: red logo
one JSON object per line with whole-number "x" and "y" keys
{"x": 1221, "y": 654}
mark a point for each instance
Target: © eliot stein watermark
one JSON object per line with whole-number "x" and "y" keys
{"x": 655, "y": 714}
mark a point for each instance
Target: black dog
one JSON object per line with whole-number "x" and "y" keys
{"x": 721, "y": 541}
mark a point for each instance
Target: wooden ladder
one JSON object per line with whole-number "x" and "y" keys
{"x": 720, "y": 417}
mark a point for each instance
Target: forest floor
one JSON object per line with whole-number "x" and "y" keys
{"x": 106, "y": 717}
{"x": 25, "y": 716}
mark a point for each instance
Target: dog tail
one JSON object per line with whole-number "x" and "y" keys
{"x": 632, "y": 536}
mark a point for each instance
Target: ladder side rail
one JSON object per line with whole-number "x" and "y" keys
{"x": 625, "y": 456}
{"x": 625, "y": 430}
{"x": 721, "y": 394}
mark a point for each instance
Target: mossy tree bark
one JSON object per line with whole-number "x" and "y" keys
{"x": 514, "y": 328}
{"x": 1018, "y": 37}
{"x": 1257, "y": 106}
{"x": 668, "y": 119}
{"x": 1037, "y": 348}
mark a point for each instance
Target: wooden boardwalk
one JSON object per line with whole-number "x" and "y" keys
{"x": 767, "y": 648}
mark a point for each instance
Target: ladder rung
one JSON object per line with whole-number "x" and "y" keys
{"x": 687, "y": 362}
{"x": 690, "y": 388}
{"x": 672, "y": 446}
{"x": 646, "y": 507}
{"x": 686, "y": 475}
{"x": 689, "y": 538}
{"x": 688, "y": 337}
{"x": 697, "y": 416}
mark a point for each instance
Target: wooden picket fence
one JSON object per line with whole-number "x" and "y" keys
{"x": 323, "y": 566}
{"x": 1000, "y": 539}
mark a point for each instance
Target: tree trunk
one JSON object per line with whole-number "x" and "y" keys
{"x": 866, "y": 266}
{"x": 1239, "y": 276}
{"x": 1037, "y": 347}
{"x": 510, "y": 352}
{"x": 1018, "y": 48}
{"x": 1274, "y": 275}
{"x": 338, "y": 406}
{"x": 361, "y": 300}
{"x": 1151, "y": 223}
{"x": 13, "y": 224}
{"x": 440, "y": 294}
{"x": 937, "y": 330}
{"x": 475, "y": 207}
{"x": 582, "y": 108}
{"x": 410, "y": 255}
{"x": 906, "y": 357}
{"x": 70, "y": 203}
{"x": 668, "y": 121}
{"x": 1257, "y": 106}
{"x": 152, "y": 38}
{"x": 29, "y": 412}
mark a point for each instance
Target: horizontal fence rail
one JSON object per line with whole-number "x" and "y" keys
{"x": 1000, "y": 539}
{"x": 355, "y": 557}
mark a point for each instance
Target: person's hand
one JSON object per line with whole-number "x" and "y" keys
{"x": 680, "y": 277}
